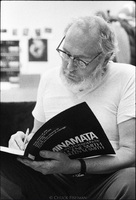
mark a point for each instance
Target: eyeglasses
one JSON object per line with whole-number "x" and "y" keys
{"x": 77, "y": 62}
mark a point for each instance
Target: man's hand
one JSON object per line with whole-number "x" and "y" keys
{"x": 59, "y": 163}
{"x": 17, "y": 140}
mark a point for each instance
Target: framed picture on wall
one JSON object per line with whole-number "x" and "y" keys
{"x": 37, "y": 49}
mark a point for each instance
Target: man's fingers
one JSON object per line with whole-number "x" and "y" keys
{"x": 16, "y": 140}
{"x": 50, "y": 154}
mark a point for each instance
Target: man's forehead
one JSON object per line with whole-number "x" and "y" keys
{"x": 82, "y": 34}
{"x": 84, "y": 29}
{"x": 75, "y": 30}
{"x": 78, "y": 41}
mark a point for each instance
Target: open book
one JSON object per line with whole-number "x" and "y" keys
{"x": 75, "y": 132}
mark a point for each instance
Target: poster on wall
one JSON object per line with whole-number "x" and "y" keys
{"x": 25, "y": 31}
{"x": 37, "y": 49}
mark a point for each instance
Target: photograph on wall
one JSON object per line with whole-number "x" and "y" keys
{"x": 25, "y": 31}
{"x": 37, "y": 49}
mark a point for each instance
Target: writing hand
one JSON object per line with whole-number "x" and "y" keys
{"x": 17, "y": 140}
{"x": 20, "y": 140}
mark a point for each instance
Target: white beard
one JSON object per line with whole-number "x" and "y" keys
{"x": 89, "y": 83}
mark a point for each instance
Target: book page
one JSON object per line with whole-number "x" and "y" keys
{"x": 12, "y": 151}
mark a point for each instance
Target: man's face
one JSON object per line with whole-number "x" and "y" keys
{"x": 79, "y": 46}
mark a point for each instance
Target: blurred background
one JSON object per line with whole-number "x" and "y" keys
{"x": 31, "y": 31}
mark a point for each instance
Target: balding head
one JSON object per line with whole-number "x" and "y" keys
{"x": 95, "y": 31}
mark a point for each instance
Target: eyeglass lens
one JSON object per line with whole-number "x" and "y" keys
{"x": 77, "y": 62}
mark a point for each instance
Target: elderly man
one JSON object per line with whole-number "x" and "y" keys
{"x": 87, "y": 74}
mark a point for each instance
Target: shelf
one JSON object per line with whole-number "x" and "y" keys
{"x": 9, "y": 54}
{"x": 16, "y": 69}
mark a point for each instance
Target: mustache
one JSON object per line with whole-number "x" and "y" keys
{"x": 90, "y": 82}
{"x": 72, "y": 76}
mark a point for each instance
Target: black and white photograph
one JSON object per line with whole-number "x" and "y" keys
{"x": 67, "y": 106}
{"x": 37, "y": 49}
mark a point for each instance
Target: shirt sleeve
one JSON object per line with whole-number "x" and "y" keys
{"x": 38, "y": 111}
{"x": 126, "y": 109}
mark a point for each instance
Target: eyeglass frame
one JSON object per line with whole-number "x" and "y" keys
{"x": 70, "y": 56}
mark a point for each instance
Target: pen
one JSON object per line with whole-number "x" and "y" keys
{"x": 26, "y": 135}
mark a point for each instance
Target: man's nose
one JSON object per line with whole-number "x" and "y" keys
{"x": 70, "y": 65}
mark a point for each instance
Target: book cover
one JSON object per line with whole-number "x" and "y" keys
{"x": 75, "y": 132}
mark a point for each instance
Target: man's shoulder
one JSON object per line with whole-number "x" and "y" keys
{"x": 122, "y": 69}
{"x": 50, "y": 75}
